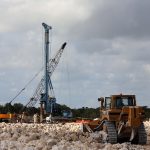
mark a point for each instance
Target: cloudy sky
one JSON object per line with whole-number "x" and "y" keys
{"x": 108, "y": 49}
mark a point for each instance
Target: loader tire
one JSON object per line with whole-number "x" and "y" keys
{"x": 111, "y": 131}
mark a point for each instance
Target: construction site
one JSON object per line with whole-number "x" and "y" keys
{"x": 120, "y": 124}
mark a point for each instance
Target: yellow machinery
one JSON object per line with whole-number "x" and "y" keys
{"x": 7, "y": 117}
{"x": 120, "y": 119}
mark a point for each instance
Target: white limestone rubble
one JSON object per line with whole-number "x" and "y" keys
{"x": 56, "y": 137}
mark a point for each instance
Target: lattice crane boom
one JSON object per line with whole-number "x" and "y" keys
{"x": 51, "y": 67}
{"x": 54, "y": 62}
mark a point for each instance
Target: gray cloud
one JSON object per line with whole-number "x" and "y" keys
{"x": 107, "y": 52}
{"x": 112, "y": 19}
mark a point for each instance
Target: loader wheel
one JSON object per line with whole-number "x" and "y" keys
{"x": 111, "y": 132}
{"x": 141, "y": 137}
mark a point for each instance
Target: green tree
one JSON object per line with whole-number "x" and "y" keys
{"x": 18, "y": 107}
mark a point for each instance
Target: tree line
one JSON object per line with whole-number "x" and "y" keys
{"x": 17, "y": 108}
{"x": 83, "y": 112}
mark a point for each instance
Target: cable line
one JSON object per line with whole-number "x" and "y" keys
{"x": 26, "y": 85}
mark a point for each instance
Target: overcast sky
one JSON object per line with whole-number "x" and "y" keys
{"x": 108, "y": 49}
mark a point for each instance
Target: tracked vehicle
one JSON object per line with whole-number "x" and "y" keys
{"x": 120, "y": 119}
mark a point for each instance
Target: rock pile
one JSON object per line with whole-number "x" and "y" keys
{"x": 53, "y": 136}
{"x": 147, "y": 127}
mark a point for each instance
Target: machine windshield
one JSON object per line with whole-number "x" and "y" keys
{"x": 107, "y": 102}
{"x": 124, "y": 101}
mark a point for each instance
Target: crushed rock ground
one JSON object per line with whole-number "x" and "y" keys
{"x": 68, "y": 136}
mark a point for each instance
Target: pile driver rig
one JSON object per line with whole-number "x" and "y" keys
{"x": 44, "y": 91}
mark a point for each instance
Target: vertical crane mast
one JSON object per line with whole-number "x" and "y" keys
{"x": 46, "y": 47}
{"x": 42, "y": 91}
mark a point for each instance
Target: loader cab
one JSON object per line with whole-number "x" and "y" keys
{"x": 123, "y": 100}
{"x": 117, "y": 101}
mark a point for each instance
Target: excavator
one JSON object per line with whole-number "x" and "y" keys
{"x": 120, "y": 119}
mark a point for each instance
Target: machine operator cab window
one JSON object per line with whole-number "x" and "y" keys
{"x": 124, "y": 101}
{"x": 107, "y": 103}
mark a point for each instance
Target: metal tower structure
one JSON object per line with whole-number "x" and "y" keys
{"x": 47, "y": 79}
{"x": 47, "y": 100}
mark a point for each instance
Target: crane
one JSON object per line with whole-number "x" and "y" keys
{"x": 42, "y": 91}
{"x": 40, "y": 88}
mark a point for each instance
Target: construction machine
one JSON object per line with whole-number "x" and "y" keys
{"x": 44, "y": 92}
{"x": 7, "y": 117}
{"x": 120, "y": 119}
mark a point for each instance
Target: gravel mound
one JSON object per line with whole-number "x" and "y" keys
{"x": 56, "y": 137}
